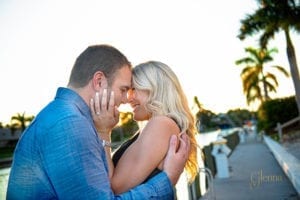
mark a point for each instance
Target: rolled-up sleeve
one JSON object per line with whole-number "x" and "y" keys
{"x": 158, "y": 187}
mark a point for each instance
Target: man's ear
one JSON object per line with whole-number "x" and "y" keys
{"x": 99, "y": 80}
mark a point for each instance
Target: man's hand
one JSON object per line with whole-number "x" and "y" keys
{"x": 104, "y": 112}
{"x": 176, "y": 158}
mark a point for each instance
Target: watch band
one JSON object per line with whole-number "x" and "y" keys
{"x": 106, "y": 143}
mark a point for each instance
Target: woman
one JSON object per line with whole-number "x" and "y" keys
{"x": 157, "y": 98}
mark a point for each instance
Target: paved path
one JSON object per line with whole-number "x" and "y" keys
{"x": 255, "y": 175}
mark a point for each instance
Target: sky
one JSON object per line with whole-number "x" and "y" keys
{"x": 40, "y": 40}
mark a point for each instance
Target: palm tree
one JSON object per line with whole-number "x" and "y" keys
{"x": 271, "y": 17}
{"x": 198, "y": 104}
{"x": 257, "y": 82}
{"x": 21, "y": 121}
{"x": 204, "y": 118}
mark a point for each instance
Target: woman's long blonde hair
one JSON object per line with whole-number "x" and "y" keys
{"x": 166, "y": 97}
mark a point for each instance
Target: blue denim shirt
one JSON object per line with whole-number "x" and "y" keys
{"x": 59, "y": 156}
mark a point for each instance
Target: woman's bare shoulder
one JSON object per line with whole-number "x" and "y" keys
{"x": 162, "y": 123}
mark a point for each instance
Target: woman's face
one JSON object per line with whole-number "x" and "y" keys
{"x": 137, "y": 99}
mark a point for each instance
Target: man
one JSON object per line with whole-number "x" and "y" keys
{"x": 59, "y": 156}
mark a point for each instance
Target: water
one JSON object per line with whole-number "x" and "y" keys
{"x": 4, "y": 174}
{"x": 205, "y": 139}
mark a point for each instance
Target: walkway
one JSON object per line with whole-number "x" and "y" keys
{"x": 255, "y": 175}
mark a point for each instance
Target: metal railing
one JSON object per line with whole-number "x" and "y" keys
{"x": 210, "y": 193}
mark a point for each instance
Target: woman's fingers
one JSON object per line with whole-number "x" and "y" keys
{"x": 104, "y": 111}
{"x": 111, "y": 103}
{"x": 104, "y": 100}
{"x": 97, "y": 103}
{"x": 185, "y": 144}
{"x": 92, "y": 106}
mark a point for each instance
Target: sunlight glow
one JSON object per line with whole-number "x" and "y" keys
{"x": 40, "y": 41}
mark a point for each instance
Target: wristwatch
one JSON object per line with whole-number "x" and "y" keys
{"x": 106, "y": 143}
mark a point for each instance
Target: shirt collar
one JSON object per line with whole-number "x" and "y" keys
{"x": 74, "y": 98}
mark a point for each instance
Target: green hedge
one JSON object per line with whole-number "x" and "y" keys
{"x": 277, "y": 110}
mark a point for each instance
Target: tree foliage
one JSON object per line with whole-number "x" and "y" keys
{"x": 21, "y": 121}
{"x": 278, "y": 110}
{"x": 257, "y": 78}
{"x": 271, "y": 17}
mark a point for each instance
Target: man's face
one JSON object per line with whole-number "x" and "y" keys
{"x": 121, "y": 85}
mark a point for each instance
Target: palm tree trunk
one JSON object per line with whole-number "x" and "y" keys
{"x": 266, "y": 94}
{"x": 293, "y": 67}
